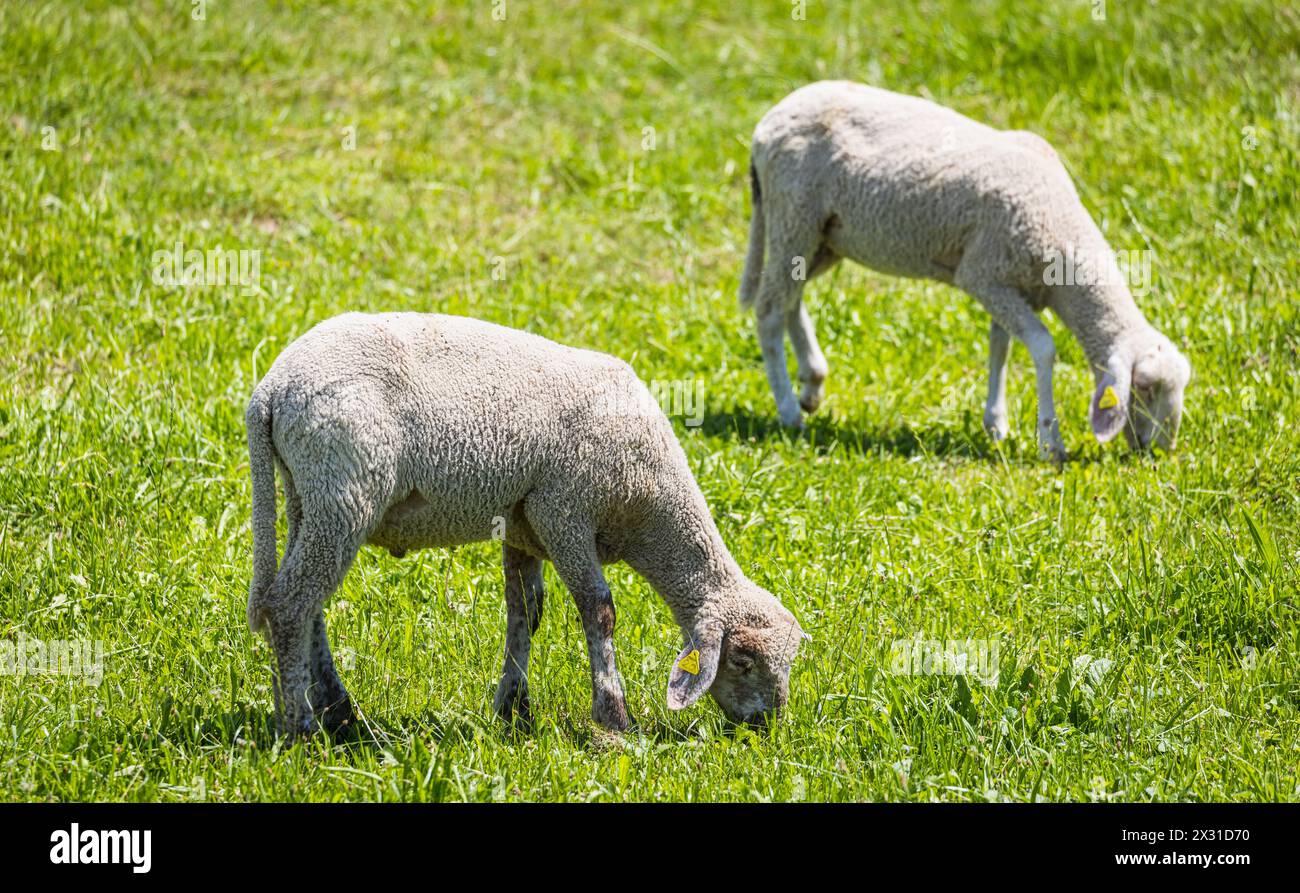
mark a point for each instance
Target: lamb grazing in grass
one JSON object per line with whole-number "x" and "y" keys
{"x": 908, "y": 187}
{"x": 409, "y": 430}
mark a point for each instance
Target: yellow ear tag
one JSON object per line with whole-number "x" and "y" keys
{"x": 691, "y": 662}
{"x": 1108, "y": 399}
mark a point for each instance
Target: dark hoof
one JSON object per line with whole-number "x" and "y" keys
{"x": 517, "y": 714}
{"x": 338, "y": 717}
{"x": 611, "y": 716}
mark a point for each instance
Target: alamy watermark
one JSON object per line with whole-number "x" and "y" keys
{"x": 179, "y": 267}
{"x": 1084, "y": 266}
{"x": 950, "y": 657}
{"x": 76, "y": 846}
{"x": 57, "y": 657}
{"x": 672, "y": 397}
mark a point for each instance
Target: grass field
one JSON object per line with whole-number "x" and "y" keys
{"x": 579, "y": 170}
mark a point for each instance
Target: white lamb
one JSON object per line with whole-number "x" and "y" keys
{"x": 410, "y": 430}
{"x": 908, "y": 187}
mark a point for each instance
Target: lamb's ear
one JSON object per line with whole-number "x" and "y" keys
{"x": 695, "y": 668}
{"x": 1110, "y": 402}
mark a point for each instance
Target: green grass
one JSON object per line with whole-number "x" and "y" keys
{"x": 516, "y": 148}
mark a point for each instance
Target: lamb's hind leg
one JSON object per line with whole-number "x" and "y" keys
{"x": 791, "y": 259}
{"x": 330, "y": 701}
{"x": 812, "y": 363}
{"x": 803, "y": 338}
{"x": 326, "y": 687}
{"x": 312, "y": 569}
{"x": 523, "y": 575}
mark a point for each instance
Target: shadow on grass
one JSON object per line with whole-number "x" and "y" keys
{"x": 203, "y": 726}
{"x": 206, "y": 726}
{"x": 375, "y": 732}
{"x": 823, "y": 435}
{"x": 967, "y": 441}
{"x": 548, "y": 721}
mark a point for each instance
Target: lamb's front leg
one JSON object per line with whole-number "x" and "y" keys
{"x": 1013, "y": 313}
{"x": 596, "y": 607}
{"x": 1043, "y": 350}
{"x": 523, "y": 575}
{"x": 570, "y": 543}
{"x": 995, "y": 410}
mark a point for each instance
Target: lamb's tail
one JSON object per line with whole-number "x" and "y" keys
{"x": 261, "y": 465}
{"x": 754, "y": 259}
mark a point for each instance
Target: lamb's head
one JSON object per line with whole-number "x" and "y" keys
{"x": 741, "y": 655}
{"x": 1140, "y": 391}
